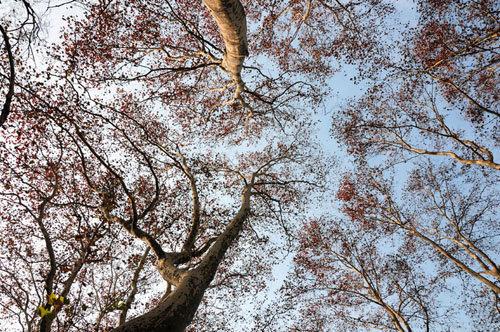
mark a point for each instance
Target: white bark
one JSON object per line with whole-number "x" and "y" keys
{"x": 231, "y": 20}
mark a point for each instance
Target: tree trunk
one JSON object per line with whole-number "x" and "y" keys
{"x": 176, "y": 312}
{"x": 231, "y": 21}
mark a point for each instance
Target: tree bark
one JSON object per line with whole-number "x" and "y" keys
{"x": 231, "y": 20}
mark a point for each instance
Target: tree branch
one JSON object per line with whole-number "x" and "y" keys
{"x": 8, "y": 98}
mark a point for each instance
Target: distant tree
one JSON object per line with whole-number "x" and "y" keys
{"x": 445, "y": 212}
{"x": 438, "y": 95}
{"x": 353, "y": 280}
{"x": 397, "y": 251}
{"x": 424, "y": 137}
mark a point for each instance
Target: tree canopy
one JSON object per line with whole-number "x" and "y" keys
{"x": 162, "y": 162}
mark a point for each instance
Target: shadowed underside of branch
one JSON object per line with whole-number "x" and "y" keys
{"x": 10, "y": 93}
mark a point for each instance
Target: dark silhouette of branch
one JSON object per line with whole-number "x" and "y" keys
{"x": 10, "y": 93}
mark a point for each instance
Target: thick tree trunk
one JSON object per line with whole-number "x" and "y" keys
{"x": 231, "y": 20}
{"x": 176, "y": 312}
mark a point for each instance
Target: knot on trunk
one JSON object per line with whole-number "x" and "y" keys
{"x": 169, "y": 271}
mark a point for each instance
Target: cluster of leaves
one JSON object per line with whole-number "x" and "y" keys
{"x": 54, "y": 303}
